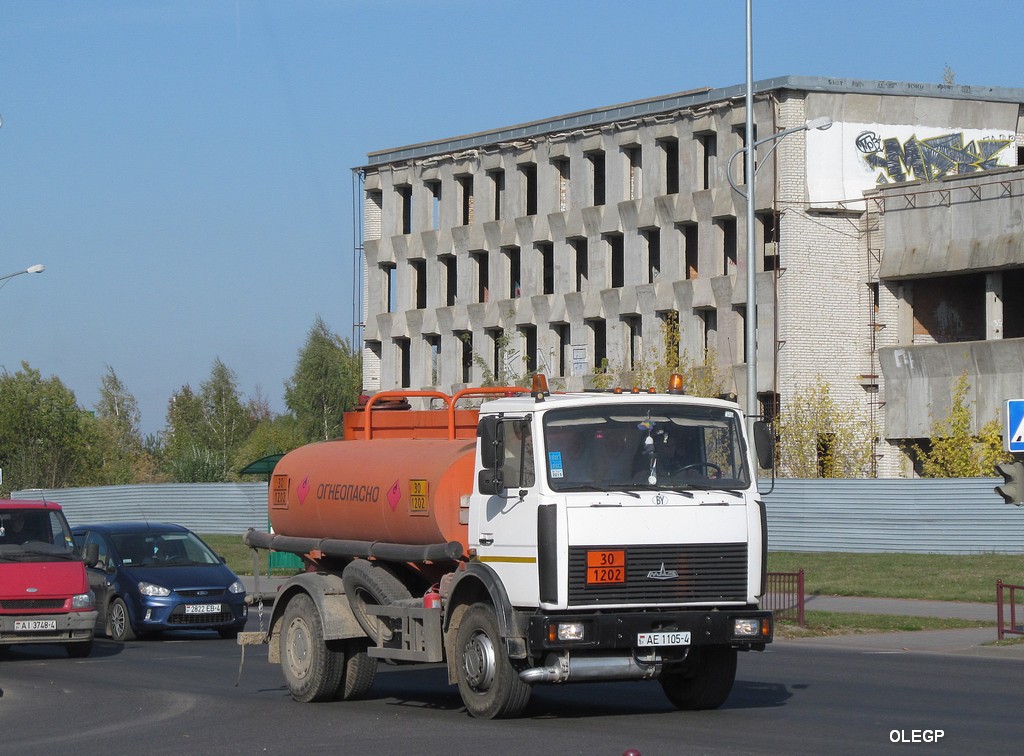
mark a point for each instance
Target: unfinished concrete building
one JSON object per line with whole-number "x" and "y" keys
{"x": 887, "y": 249}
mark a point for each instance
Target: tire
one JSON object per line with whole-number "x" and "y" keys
{"x": 360, "y": 669}
{"x": 228, "y": 633}
{"x": 489, "y": 685}
{"x": 372, "y": 584}
{"x": 312, "y": 668}
{"x": 119, "y": 622}
{"x": 704, "y": 683}
{"x": 79, "y": 650}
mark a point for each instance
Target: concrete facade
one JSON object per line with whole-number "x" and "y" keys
{"x": 566, "y": 245}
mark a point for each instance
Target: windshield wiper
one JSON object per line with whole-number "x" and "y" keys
{"x": 600, "y": 489}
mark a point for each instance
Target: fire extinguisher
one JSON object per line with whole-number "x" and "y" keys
{"x": 432, "y": 598}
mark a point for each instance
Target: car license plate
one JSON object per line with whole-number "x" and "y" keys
{"x": 663, "y": 639}
{"x": 28, "y": 626}
{"x": 202, "y": 608}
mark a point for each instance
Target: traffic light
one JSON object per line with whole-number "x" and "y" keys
{"x": 1012, "y": 489}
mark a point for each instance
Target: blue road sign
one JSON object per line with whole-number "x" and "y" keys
{"x": 1013, "y": 428}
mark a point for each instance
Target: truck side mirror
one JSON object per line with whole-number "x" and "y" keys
{"x": 764, "y": 445}
{"x": 491, "y": 481}
{"x": 492, "y": 443}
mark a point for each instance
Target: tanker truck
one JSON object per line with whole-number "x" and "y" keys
{"x": 538, "y": 538}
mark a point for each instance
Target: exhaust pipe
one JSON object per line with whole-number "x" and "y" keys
{"x": 576, "y": 669}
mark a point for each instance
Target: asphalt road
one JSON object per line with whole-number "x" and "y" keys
{"x": 179, "y": 695}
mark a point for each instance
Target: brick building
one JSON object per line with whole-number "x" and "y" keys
{"x": 886, "y": 248}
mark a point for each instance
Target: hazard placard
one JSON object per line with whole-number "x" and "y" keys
{"x": 1013, "y": 427}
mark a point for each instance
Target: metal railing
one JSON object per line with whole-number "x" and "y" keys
{"x": 1007, "y": 594}
{"x": 784, "y": 596}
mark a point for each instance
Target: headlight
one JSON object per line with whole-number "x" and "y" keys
{"x": 148, "y": 589}
{"x": 566, "y": 631}
{"x": 83, "y": 601}
{"x": 236, "y": 587}
{"x": 751, "y": 627}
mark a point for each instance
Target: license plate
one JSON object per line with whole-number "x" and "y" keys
{"x": 28, "y": 626}
{"x": 202, "y": 608}
{"x": 663, "y": 639}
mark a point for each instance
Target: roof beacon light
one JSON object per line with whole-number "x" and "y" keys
{"x": 675, "y": 384}
{"x": 539, "y": 389}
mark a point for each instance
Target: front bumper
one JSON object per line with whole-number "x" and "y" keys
{"x": 606, "y": 631}
{"x": 70, "y": 627}
{"x": 169, "y": 613}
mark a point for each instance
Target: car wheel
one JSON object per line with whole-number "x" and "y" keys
{"x": 371, "y": 584}
{"x": 228, "y": 632}
{"x": 703, "y": 683}
{"x": 119, "y": 624}
{"x": 79, "y": 650}
{"x": 490, "y": 687}
{"x": 312, "y": 668}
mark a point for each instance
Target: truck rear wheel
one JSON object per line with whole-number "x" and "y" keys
{"x": 489, "y": 685}
{"x": 372, "y": 584}
{"x": 312, "y": 669}
{"x": 702, "y": 683}
{"x": 360, "y": 669}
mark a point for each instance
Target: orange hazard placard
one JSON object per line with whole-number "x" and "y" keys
{"x": 418, "y": 490}
{"x": 606, "y": 567}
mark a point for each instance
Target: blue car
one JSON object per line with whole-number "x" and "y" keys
{"x": 154, "y": 576}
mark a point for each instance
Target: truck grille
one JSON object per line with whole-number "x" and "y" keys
{"x": 704, "y": 572}
{"x": 23, "y": 604}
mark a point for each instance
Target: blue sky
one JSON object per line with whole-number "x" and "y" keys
{"x": 183, "y": 167}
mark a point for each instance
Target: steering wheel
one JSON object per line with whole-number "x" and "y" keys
{"x": 716, "y": 471}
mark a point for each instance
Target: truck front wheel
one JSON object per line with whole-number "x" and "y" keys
{"x": 489, "y": 685}
{"x": 703, "y": 682}
{"x": 312, "y": 669}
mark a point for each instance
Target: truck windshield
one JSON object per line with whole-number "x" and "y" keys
{"x": 651, "y": 446}
{"x": 34, "y": 535}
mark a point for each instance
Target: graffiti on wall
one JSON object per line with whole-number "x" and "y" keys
{"x": 928, "y": 159}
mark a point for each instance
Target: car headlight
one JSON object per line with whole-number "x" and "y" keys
{"x": 83, "y": 601}
{"x": 148, "y": 589}
{"x": 236, "y": 587}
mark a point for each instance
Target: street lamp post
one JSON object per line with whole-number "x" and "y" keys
{"x": 750, "y": 326}
{"x": 30, "y": 269}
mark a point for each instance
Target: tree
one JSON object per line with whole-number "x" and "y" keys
{"x": 820, "y": 439}
{"x": 123, "y": 456}
{"x": 206, "y": 429}
{"x": 273, "y": 435}
{"x": 46, "y": 440}
{"x": 326, "y": 382}
{"x": 953, "y": 451}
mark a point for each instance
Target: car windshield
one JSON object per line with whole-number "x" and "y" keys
{"x": 161, "y": 549}
{"x": 639, "y": 447}
{"x": 34, "y": 535}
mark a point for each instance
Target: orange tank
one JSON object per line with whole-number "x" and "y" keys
{"x": 403, "y": 491}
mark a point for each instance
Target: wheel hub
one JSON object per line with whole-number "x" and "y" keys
{"x": 479, "y": 662}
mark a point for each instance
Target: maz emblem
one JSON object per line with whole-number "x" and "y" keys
{"x": 662, "y": 574}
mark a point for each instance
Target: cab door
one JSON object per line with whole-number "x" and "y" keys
{"x": 503, "y": 526}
